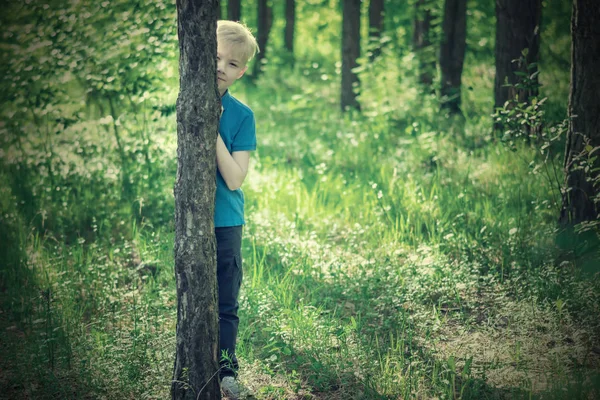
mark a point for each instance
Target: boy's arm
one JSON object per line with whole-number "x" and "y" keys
{"x": 233, "y": 167}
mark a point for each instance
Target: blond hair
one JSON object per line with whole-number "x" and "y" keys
{"x": 237, "y": 35}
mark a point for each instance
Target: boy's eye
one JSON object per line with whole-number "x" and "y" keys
{"x": 233, "y": 65}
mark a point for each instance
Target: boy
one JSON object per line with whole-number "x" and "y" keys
{"x": 236, "y": 138}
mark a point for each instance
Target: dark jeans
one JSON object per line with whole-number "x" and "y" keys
{"x": 229, "y": 278}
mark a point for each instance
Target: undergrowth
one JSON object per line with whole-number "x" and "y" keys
{"x": 393, "y": 253}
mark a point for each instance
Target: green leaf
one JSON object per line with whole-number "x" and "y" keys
{"x": 592, "y": 151}
{"x": 451, "y": 363}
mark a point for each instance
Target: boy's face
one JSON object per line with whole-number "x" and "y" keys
{"x": 230, "y": 67}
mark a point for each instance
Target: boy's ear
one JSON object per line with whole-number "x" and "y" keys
{"x": 242, "y": 72}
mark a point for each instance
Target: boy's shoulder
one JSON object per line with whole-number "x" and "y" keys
{"x": 239, "y": 106}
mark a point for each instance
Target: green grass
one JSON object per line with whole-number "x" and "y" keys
{"x": 390, "y": 254}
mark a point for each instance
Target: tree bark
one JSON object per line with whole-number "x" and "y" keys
{"x": 376, "y": 9}
{"x": 350, "y": 52}
{"x": 517, "y": 28}
{"x": 198, "y": 107}
{"x": 264, "y": 22}
{"x": 234, "y": 10}
{"x": 584, "y": 109}
{"x": 290, "y": 24}
{"x": 452, "y": 53}
{"x": 422, "y": 42}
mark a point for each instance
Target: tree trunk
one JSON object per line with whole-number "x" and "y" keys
{"x": 350, "y": 52}
{"x": 517, "y": 28}
{"x": 290, "y": 23}
{"x": 422, "y": 42}
{"x": 198, "y": 107}
{"x": 264, "y": 22}
{"x": 452, "y": 53}
{"x": 584, "y": 109}
{"x": 234, "y": 10}
{"x": 376, "y": 8}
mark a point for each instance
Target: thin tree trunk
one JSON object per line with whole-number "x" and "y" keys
{"x": 264, "y": 22}
{"x": 350, "y": 52}
{"x": 195, "y": 369}
{"x": 234, "y": 10}
{"x": 584, "y": 109}
{"x": 376, "y": 9}
{"x": 125, "y": 169}
{"x": 290, "y": 24}
{"x": 517, "y": 28}
{"x": 452, "y": 53}
{"x": 422, "y": 42}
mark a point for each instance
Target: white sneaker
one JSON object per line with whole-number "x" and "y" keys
{"x": 230, "y": 387}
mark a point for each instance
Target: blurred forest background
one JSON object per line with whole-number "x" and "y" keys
{"x": 406, "y": 233}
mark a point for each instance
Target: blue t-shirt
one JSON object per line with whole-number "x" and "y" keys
{"x": 238, "y": 131}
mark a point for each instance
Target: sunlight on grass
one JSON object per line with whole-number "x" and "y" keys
{"x": 392, "y": 253}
